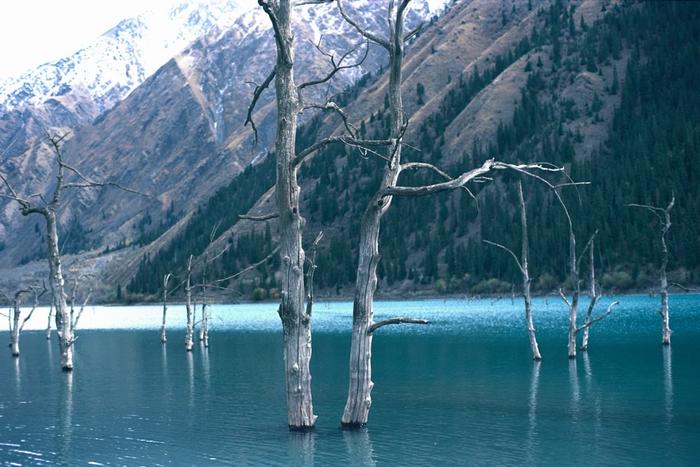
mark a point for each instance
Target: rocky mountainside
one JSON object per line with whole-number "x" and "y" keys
{"x": 75, "y": 89}
{"x": 176, "y": 134}
{"x": 569, "y": 82}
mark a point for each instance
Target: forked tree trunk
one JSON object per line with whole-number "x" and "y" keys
{"x": 525, "y": 258}
{"x": 189, "y": 330}
{"x": 359, "y": 399}
{"x": 64, "y": 326}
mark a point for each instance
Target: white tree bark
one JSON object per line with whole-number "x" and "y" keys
{"x": 16, "y": 323}
{"x": 64, "y": 328}
{"x": 14, "y": 329}
{"x": 47, "y": 209}
{"x": 189, "y": 330}
{"x": 664, "y": 217}
{"x": 359, "y": 401}
{"x": 523, "y": 266}
{"x": 48, "y": 322}
{"x": 204, "y": 324}
{"x": 665, "y": 317}
{"x": 573, "y": 305}
{"x": 296, "y": 324}
{"x": 593, "y": 296}
{"x": 163, "y": 332}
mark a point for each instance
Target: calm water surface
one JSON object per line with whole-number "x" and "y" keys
{"x": 462, "y": 391}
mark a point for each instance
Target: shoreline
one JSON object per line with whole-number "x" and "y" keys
{"x": 390, "y": 297}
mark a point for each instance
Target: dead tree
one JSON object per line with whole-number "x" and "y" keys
{"x": 664, "y": 217}
{"x": 48, "y": 322}
{"x": 163, "y": 334}
{"x": 359, "y": 399}
{"x": 75, "y": 312}
{"x": 523, "y": 266}
{"x": 47, "y": 207}
{"x": 296, "y": 323}
{"x": 594, "y": 297}
{"x": 15, "y": 319}
{"x": 592, "y": 292}
{"x": 311, "y": 270}
{"x": 189, "y": 330}
{"x": 204, "y": 324}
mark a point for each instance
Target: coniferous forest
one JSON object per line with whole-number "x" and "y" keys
{"x": 649, "y": 153}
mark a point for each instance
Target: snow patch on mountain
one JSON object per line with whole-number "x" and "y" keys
{"x": 123, "y": 57}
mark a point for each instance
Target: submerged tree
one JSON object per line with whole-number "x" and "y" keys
{"x": 47, "y": 207}
{"x": 574, "y": 267}
{"x": 163, "y": 333}
{"x": 291, "y": 102}
{"x": 189, "y": 307}
{"x": 523, "y": 266}
{"x": 16, "y": 322}
{"x": 594, "y": 297}
{"x": 664, "y": 217}
{"x": 359, "y": 399}
{"x": 48, "y": 321}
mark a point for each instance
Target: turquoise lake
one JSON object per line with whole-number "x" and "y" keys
{"x": 460, "y": 391}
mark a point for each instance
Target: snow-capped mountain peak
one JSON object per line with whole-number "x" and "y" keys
{"x": 123, "y": 57}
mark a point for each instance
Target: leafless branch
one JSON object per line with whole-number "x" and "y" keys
{"x": 268, "y": 7}
{"x": 243, "y": 271}
{"x": 466, "y": 177}
{"x": 387, "y": 322}
{"x": 310, "y": 275}
{"x": 563, "y": 297}
{"x": 364, "y": 32}
{"x": 263, "y": 218}
{"x": 329, "y": 105}
{"x": 338, "y": 66}
{"x": 349, "y": 141}
{"x": 599, "y": 318}
{"x": 256, "y": 96}
{"x": 414, "y": 32}
{"x": 508, "y": 250}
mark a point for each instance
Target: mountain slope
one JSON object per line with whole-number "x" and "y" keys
{"x": 558, "y": 91}
{"x": 179, "y": 135}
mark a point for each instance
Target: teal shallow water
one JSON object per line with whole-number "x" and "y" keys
{"x": 461, "y": 391}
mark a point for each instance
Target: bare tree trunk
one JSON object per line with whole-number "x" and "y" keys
{"x": 48, "y": 323}
{"x": 359, "y": 399}
{"x": 64, "y": 328}
{"x": 204, "y": 326}
{"x": 189, "y": 331}
{"x": 573, "y": 306}
{"x": 296, "y": 324}
{"x": 664, "y": 217}
{"x": 14, "y": 330}
{"x": 525, "y": 257}
{"x": 47, "y": 208}
{"x": 665, "y": 317}
{"x": 163, "y": 334}
{"x": 594, "y": 298}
